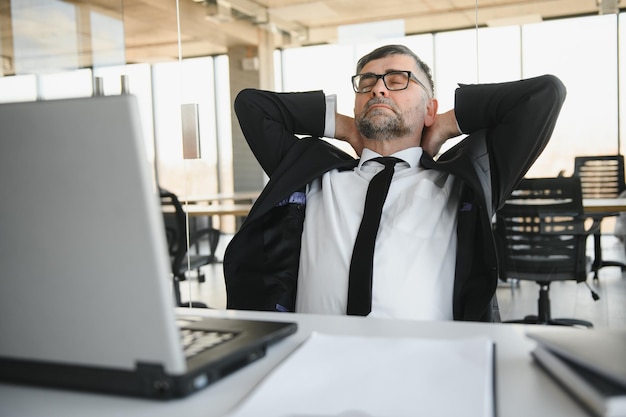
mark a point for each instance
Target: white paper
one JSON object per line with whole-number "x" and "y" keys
{"x": 352, "y": 376}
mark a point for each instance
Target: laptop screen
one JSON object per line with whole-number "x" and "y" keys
{"x": 82, "y": 245}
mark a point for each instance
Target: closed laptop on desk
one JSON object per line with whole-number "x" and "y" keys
{"x": 85, "y": 299}
{"x": 601, "y": 350}
{"x": 590, "y": 364}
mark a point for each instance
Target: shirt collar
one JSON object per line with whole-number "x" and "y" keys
{"x": 410, "y": 155}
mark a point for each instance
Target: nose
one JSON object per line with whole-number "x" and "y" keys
{"x": 380, "y": 89}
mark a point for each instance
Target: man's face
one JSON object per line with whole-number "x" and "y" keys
{"x": 382, "y": 114}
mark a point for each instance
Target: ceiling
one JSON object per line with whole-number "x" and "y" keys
{"x": 208, "y": 27}
{"x": 211, "y": 27}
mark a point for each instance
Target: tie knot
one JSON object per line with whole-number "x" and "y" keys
{"x": 387, "y": 161}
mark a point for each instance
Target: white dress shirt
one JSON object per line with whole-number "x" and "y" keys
{"x": 415, "y": 254}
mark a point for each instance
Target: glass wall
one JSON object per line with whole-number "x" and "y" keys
{"x": 582, "y": 52}
{"x": 57, "y": 49}
{"x": 53, "y": 36}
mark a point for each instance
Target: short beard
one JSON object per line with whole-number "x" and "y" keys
{"x": 388, "y": 128}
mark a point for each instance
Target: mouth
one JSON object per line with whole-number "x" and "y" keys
{"x": 380, "y": 102}
{"x": 378, "y": 108}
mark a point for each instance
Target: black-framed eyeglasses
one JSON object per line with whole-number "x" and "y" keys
{"x": 393, "y": 80}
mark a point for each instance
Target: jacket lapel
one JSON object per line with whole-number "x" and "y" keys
{"x": 458, "y": 162}
{"x": 310, "y": 158}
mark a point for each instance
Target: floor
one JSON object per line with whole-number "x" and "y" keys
{"x": 568, "y": 299}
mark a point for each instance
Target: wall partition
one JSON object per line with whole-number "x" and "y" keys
{"x": 582, "y": 51}
{"x": 58, "y": 49}
{"x": 81, "y": 45}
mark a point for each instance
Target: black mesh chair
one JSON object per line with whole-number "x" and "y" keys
{"x": 182, "y": 258}
{"x": 540, "y": 236}
{"x": 600, "y": 177}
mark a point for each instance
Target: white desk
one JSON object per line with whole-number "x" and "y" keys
{"x": 604, "y": 205}
{"x": 598, "y": 209}
{"x": 522, "y": 388}
{"x": 203, "y": 210}
{"x": 238, "y": 196}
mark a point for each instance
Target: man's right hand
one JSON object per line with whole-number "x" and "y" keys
{"x": 346, "y": 130}
{"x": 435, "y": 135}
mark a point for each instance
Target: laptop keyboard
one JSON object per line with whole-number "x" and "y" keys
{"x": 198, "y": 341}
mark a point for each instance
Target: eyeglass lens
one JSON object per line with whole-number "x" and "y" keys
{"x": 395, "y": 80}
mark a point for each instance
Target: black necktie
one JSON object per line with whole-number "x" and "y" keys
{"x": 360, "y": 276}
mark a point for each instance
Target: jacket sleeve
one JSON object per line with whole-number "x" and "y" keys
{"x": 518, "y": 119}
{"x": 270, "y": 121}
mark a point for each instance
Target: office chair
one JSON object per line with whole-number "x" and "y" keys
{"x": 600, "y": 177}
{"x": 179, "y": 245}
{"x": 541, "y": 237}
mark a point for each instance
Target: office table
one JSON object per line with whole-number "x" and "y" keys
{"x": 195, "y": 210}
{"x": 592, "y": 206}
{"x": 210, "y": 206}
{"x": 598, "y": 209}
{"x": 523, "y": 389}
{"x": 208, "y": 210}
{"x": 606, "y": 206}
{"x": 237, "y": 196}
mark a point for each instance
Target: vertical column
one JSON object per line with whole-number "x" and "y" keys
{"x": 7, "y": 56}
{"x": 250, "y": 67}
{"x": 83, "y": 29}
{"x": 244, "y": 69}
{"x": 266, "y": 59}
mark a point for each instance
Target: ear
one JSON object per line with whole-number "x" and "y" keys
{"x": 431, "y": 112}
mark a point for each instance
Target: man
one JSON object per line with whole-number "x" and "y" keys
{"x": 434, "y": 254}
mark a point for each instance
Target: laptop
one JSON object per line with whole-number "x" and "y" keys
{"x": 86, "y": 300}
{"x": 602, "y": 351}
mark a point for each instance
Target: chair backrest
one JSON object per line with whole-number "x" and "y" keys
{"x": 600, "y": 176}
{"x": 178, "y": 240}
{"x": 175, "y": 228}
{"x": 540, "y": 231}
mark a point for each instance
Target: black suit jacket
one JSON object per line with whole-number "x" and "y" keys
{"x": 508, "y": 125}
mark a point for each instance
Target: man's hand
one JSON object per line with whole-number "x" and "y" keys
{"x": 443, "y": 128}
{"x": 346, "y": 130}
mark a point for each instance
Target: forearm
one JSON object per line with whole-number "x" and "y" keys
{"x": 270, "y": 121}
{"x": 518, "y": 118}
{"x": 535, "y": 101}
